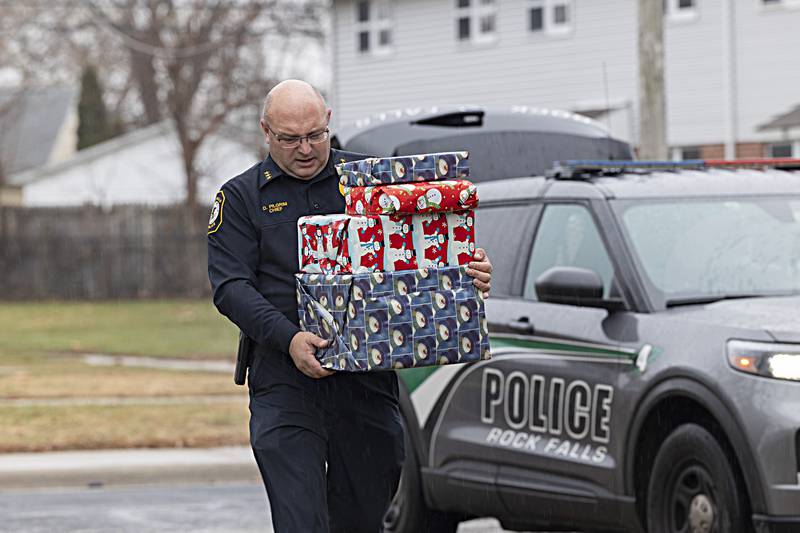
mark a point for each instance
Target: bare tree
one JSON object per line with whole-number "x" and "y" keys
{"x": 198, "y": 63}
{"x": 8, "y": 106}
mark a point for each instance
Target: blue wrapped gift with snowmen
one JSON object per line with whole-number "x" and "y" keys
{"x": 404, "y": 169}
{"x": 394, "y": 320}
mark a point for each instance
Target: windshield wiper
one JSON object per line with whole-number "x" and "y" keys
{"x": 709, "y": 299}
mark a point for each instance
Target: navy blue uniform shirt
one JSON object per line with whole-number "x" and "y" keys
{"x": 252, "y": 245}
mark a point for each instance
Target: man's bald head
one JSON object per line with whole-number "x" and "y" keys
{"x": 294, "y": 112}
{"x": 293, "y": 93}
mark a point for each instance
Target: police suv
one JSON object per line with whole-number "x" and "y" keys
{"x": 645, "y": 330}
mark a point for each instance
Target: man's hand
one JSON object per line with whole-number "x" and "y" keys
{"x": 302, "y": 349}
{"x": 480, "y": 268}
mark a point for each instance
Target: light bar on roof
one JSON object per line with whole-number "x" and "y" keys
{"x": 574, "y": 167}
{"x": 777, "y": 162}
{"x": 610, "y": 164}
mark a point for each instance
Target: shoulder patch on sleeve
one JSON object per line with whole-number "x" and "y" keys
{"x": 215, "y": 220}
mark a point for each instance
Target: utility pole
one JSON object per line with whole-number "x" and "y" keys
{"x": 729, "y": 93}
{"x": 652, "y": 102}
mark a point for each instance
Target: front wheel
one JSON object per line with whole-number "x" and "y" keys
{"x": 692, "y": 487}
{"x": 408, "y": 512}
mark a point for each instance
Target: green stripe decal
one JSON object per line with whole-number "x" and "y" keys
{"x": 558, "y": 346}
{"x": 413, "y": 377}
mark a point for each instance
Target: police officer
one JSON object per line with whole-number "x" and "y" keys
{"x": 329, "y": 450}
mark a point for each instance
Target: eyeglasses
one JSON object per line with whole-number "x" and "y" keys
{"x": 287, "y": 141}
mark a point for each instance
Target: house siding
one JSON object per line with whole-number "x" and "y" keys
{"x": 769, "y": 65}
{"x": 429, "y": 66}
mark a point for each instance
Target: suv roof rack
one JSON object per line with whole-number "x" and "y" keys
{"x": 587, "y": 168}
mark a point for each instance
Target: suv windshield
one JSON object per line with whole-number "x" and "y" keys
{"x": 691, "y": 250}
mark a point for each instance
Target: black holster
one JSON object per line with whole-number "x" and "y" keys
{"x": 243, "y": 358}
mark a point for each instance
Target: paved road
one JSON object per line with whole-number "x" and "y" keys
{"x": 224, "y": 507}
{"x": 165, "y": 490}
{"x": 201, "y": 508}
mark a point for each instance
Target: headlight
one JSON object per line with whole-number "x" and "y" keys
{"x": 780, "y": 361}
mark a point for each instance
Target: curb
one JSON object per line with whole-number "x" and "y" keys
{"x": 126, "y": 467}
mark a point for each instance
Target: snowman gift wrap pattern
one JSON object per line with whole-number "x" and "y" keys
{"x": 405, "y": 169}
{"x": 344, "y": 244}
{"x": 394, "y": 320}
{"x": 411, "y": 198}
{"x": 386, "y": 282}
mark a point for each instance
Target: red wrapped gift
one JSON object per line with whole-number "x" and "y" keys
{"x": 343, "y": 244}
{"x": 401, "y": 253}
{"x": 411, "y": 198}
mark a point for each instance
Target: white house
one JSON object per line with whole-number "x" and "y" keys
{"x": 731, "y": 66}
{"x": 140, "y": 167}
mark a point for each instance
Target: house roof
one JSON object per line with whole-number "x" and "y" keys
{"x": 789, "y": 119}
{"x": 122, "y": 142}
{"x": 246, "y": 138}
{"x": 144, "y": 166}
{"x": 93, "y": 153}
{"x": 30, "y": 122}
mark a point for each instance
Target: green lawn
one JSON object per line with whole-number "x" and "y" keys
{"x": 175, "y": 328}
{"x": 40, "y": 358}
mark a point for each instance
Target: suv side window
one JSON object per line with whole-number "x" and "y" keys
{"x": 499, "y": 229}
{"x": 567, "y": 236}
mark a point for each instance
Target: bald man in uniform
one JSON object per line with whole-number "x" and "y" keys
{"x": 329, "y": 445}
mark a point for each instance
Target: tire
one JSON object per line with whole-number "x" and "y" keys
{"x": 693, "y": 488}
{"x": 408, "y": 512}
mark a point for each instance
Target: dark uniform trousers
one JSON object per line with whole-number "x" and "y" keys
{"x": 329, "y": 449}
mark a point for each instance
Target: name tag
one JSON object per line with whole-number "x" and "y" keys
{"x": 274, "y": 208}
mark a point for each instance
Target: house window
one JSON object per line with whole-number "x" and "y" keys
{"x": 363, "y": 11}
{"x": 780, "y": 150}
{"x": 463, "y": 28}
{"x": 780, "y": 4}
{"x": 684, "y": 153}
{"x": 537, "y": 18}
{"x": 476, "y": 20}
{"x": 373, "y": 26}
{"x": 363, "y": 41}
{"x": 560, "y": 14}
{"x": 680, "y": 9}
{"x": 549, "y": 16}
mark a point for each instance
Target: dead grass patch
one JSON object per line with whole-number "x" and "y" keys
{"x": 42, "y": 376}
{"x": 36, "y": 429}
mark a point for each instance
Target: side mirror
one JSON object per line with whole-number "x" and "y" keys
{"x": 573, "y": 286}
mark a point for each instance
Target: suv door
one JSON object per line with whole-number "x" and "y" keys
{"x": 535, "y": 421}
{"x": 565, "y": 362}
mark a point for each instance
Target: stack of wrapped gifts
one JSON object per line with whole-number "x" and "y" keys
{"x": 386, "y": 281}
